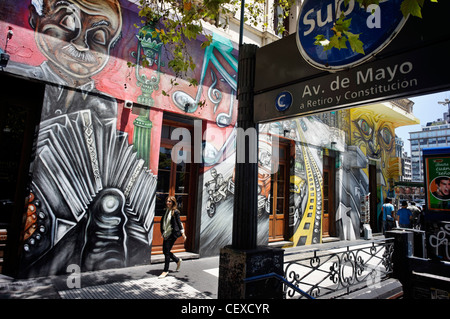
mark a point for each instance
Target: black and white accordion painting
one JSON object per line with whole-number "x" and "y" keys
{"x": 92, "y": 200}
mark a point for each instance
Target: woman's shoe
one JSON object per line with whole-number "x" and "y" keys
{"x": 163, "y": 275}
{"x": 179, "y": 264}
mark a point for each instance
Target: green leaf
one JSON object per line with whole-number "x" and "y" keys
{"x": 355, "y": 43}
{"x": 342, "y": 24}
{"x": 413, "y": 7}
{"x": 319, "y": 38}
{"x": 334, "y": 43}
{"x": 343, "y": 43}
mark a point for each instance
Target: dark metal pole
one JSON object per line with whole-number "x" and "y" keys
{"x": 241, "y": 26}
{"x": 246, "y": 174}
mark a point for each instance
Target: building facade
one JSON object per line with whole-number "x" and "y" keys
{"x": 113, "y": 141}
{"x": 406, "y": 168}
{"x": 405, "y": 159}
{"x": 434, "y": 134}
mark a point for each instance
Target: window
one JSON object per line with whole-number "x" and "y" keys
{"x": 177, "y": 180}
{"x": 173, "y": 178}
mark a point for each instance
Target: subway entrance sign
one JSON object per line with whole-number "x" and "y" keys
{"x": 404, "y": 59}
{"x": 375, "y": 30}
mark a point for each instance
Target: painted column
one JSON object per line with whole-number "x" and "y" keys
{"x": 143, "y": 126}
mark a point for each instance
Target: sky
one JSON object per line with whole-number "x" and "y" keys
{"x": 427, "y": 109}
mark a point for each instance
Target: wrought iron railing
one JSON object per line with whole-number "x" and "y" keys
{"x": 281, "y": 280}
{"x": 339, "y": 271}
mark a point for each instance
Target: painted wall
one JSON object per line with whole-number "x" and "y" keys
{"x": 91, "y": 199}
{"x": 94, "y": 174}
{"x": 354, "y": 137}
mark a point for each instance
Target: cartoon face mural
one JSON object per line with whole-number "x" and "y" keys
{"x": 373, "y": 131}
{"x": 76, "y": 36}
{"x": 375, "y": 136}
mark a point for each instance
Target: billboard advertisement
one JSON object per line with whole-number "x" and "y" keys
{"x": 436, "y": 163}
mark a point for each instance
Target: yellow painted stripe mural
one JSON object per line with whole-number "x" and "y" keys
{"x": 311, "y": 223}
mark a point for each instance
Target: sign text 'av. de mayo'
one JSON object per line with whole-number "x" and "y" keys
{"x": 377, "y": 25}
{"x": 295, "y": 77}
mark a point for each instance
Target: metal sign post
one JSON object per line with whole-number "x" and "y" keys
{"x": 244, "y": 259}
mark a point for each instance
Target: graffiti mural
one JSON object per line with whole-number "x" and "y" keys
{"x": 223, "y": 47}
{"x": 88, "y": 196}
{"x": 374, "y": 136}
{"x": 373, "y": 132}
{"x": 217, "y": 203}
{"x": 353, "y": 137}
{"x": 96, "y": 157}
{"x": 92, "y": 195}
{"x": 91, "y": 198}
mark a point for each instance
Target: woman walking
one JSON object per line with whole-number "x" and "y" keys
{"x": 171, "y": 229}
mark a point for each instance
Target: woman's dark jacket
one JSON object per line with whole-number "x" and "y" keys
{"x": 175, "y": 222}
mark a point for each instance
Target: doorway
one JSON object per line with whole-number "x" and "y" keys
{"x": 174, "y": 179}
{"x": 374, "y": 222}
{"x": 279, "y": 194}
{"x": 19, "y": 116}
{"x": 328, "y": 217}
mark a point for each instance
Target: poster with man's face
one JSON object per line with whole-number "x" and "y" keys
{"x": 438, "y": 182}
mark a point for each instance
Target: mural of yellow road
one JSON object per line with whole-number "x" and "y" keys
{"x": 309, "y": 230}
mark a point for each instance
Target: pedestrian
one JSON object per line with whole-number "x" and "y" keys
{"x": 416, "y": 211}
{"x": 388, "y": 215}
{"x": 404, "y": 216}
{"x": 171, "y": 230}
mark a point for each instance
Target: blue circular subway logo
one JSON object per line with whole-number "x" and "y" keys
{"x": 283, "y": 101}
{"x": 376, "y": 26}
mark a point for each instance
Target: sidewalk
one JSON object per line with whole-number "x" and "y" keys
{"x": 197, "y": 279}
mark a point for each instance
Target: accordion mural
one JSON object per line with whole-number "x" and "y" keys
{"x": 91, "y": 195}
